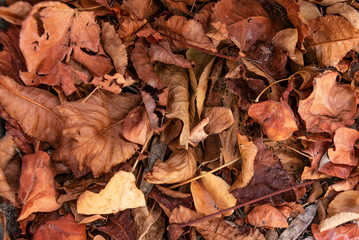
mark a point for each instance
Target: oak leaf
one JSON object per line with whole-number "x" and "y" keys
{"x": 119, "y": 194}
{"x": 93, "y": 132}
{"x": 180, "y": 166}
{"x": 37, "y": 185}
{"x": 33, "y": 108}
{"x": 267, "y": 216}
{"x": 330, "y": 106}
{"x": 62, "y": 228}
{"x": 77, "y": 36}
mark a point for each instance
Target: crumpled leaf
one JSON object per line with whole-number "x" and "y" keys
{"x": 331, "y": 38}
{"x": 276, "y": 118}
{"x": 136, "y": 125}
{"x": 344, "y": 141}
{"x": 161, "y": 52}
{"x": 120, "y": 226}
{"x": 154, "y": 92}
{"x": 178, "y": 97}
{"x": 93, "y": 132}
{"x": 37, "y": 185}
{"x": 56, "y": 30}
{"x": 346, "y": 11}
{"x": 16, "y": 12}
{"x": 248, "y": 152}
{"x": 187, "y": 31}
{"x": 149, "y": 225}
{"x": 119, "y": 194}
{"x": 330, "y": 106}
{"x": 180, "y": 166}
{"x": 267, "y": 216}
{"x": 346, "y": 231}
{"x": 33, "y": 108}
{"x": 7, "y": 151}
{"x": 62, "y": 228}
{"x": 268, "y": 177}
{"x": 245, "y": 20}
{"x": 342, "y": 209}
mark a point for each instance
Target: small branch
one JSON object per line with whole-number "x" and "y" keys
{"x": 247, "y": 203}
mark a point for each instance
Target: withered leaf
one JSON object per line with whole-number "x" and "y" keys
{"x": 267, "y": 216}
{"x": 16, "y": 12}
{"x": 62, "y": 228}
{"x": 119, "y": 194}
{"x": 113, "y": 83}
{"x": 346, "y": 231}
{"x": 187, "y": 31}
{"x": 37, "y": 185}
{"x": 180, "y": 166}
{"x": 346, "y": 11}
{"x": 330, "y": 106}
{"x": 154, "y": 92}
{"x": 45, "y": 42}
{"x": 120, "y": 226}
{"x": 33, "y": 108}
{"x": 93, "y": 132}
{"x": 202, "y": 199}
{"x": 136, "y": 125}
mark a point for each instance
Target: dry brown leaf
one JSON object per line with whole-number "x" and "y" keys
{"x": 93, "y": 132}
{"x": 248, "y": 152}
{"x": 114, "y": 47}
{"x": 220, "y": 118}
{"x": 347, "y": 231}
{"x": 62, "y": 228}
{"x": 342, "y": 209}
{"x": 187, "y": 31}
{"x": 198, "y": 134}
{"x": 204, "y": 15}
{"x": 113, "y": 83}
{"x": 331, "y": 38}
{"x": 309, "y": 10}
{"x": 202, "y": 199}
{"x": 33, "y": 108}
{"x": 7, "y": 151}
{"x": 54, "y": 32}
{"x": 136, "y": 125}
{"x": 330, "y": 106}
{"x": 180, "y": 166}
{"x": 267, "y": 216}
{"x": 310, "y": 173}
{"x": 327, "y": 2}
{"x": 178, "y": 96}
{"x": 347, "y": 11}
{"x": 139, "y": 8}
{"x": 119, "y": 194}
{"x": 287, "y": 41}
{"x": 155, "y": 92}
{"x": 16, "y": 12}
{"x": 161, "y": 52}
{"x": 245, "y": 20}
{"x": 37, "y": 185}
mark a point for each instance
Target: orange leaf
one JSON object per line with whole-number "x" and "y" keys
{"x": 267, "y": 216}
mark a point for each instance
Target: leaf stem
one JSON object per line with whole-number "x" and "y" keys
{"x": 270, "y": 85}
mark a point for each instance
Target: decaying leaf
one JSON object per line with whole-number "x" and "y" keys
{"x": 93, "y": 132}
{"x": 37, "y": 185}
{"x": 62, "y": 228}
{"x": 113, "y": 83}
{"x": 330, "y": 106}
{"x": 119, "y": 194}
{"x": 267, "y": 216}
{"x": 56, "y": 30}
{"x": 180, "y": 166}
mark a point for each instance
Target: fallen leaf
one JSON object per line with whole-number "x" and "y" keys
{"x": 93, "y": 132}
{"x": 342, "y": 209}
{"x": 154, "y": 92}
{"x": 120, "y": 226}
{"x": 114, "y": 83}
{"x": 330, "y": 106}
{"x": 16, "y": 12}
{"x": 267, "y": 216}
{"x": 277, "y": 118}
{"x": 346, "y": 11}
{"x": 346, "y": 231}
{"x": 309, "y": 10}
{"x": 246, "y": 21}
{"x": 141, "y": 9}
{"x": 202, "y": 199}
{"x": 77, "y": 35}
{"x": 180, "y": 166}
{"x": 112, "y": 199}
{"x": 186, "y": 31}
{"x": 37, "y": 185}
{"x": 136, "y": 125}
{"x": 62, "y": 228}
{"x": 331, "y": 38}
{"x": 204, "y": 15}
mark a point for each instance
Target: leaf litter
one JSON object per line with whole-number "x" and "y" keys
{"x": 228, "y": 119}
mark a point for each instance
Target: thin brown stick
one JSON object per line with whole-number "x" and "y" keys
{"x": 93, "y": 91}
{"x": 247, "y": 203}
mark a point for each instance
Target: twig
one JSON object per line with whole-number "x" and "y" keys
{"x": 91, "y": 93}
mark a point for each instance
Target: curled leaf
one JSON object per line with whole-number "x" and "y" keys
{"x": 119, "y": 194}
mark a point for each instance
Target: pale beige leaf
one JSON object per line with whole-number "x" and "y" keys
{"x": 119, "y": 194}
{"x": 16, "y": 12}
{"x": 188, "y": 31}
{"x": 197, "y": 133}
{"x": 337, "y": 220}
{"x": 33, "y": 108}
{"x": 178, "y": 97}
{"x": 248, "y": 152}
{"x": 347, "y": 11}
{"x": 180, "y": 166}
{"x": 113, "y": 45}
{"x": 149, "y": 225}
{"x": 94, "y": 131}
{"x": 309, "y": 10}
{"x": 7, "y": 151}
